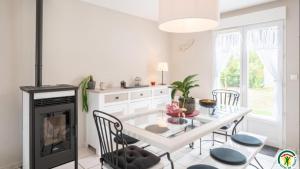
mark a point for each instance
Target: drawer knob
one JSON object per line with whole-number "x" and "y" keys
{"x": 161, "y": 92}
{"x": 117, "y": 98}
{"x": 141, "y": 94}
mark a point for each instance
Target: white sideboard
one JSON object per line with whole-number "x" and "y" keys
{"x": 120, "y": 102}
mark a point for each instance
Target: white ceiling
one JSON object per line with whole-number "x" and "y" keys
{"x": 149, "y": 8}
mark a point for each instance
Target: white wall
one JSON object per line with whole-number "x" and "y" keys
{"x": 192, "y": 54}
{"x": 10, "y": 120}
{"x": 79, "y": 39}
{"x": 200, "y": 56}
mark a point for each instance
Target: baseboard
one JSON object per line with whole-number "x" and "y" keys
{"x": 16, "y": 165}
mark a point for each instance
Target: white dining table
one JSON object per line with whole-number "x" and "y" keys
{"x": 179, "y": 135}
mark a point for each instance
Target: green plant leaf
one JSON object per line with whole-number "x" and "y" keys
{"x": 84, "y": 85}
{"x": 189, "y": 78}
{"x": 184, "y": 86}
{"x": 173, "y": 92}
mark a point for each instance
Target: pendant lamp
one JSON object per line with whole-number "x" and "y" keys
{"x": 188, "y": 16}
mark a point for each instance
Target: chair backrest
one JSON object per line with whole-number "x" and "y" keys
{"x": 109, "y": 127}
{"x": 226, "y": 97}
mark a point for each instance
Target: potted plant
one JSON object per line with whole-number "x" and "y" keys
{"x": 91, "y": 83}
{"x": 85, "y": 84}
{"x": 186, "y": 103}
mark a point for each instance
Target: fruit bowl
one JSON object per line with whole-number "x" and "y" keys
{"x": 208, "y": 103}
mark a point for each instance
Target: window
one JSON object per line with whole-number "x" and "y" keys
{"x": 249, "y": 60}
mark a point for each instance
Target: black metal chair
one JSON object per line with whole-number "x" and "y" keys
{"x": 119, "y": 156}
{"x": 225, "y": 98}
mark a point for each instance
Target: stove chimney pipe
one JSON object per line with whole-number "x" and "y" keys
{"x": 39, "y": 43}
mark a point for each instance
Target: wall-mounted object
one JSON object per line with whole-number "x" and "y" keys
{"x": 187, "y": 45}
{"x": 182, "y": 16}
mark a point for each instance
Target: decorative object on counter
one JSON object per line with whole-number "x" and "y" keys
{"x": 208, "y": 103}
{"x": 173, "y": 108}
{"x": 163, "y": 67}
{"x": 153, "y": 83}
{"x": 84, "y": 84}
{"x": 102, "y": 86}
{"x": 181, "y": 114}
{"x": 123, "y": 84}
{"x": 186, "y": 103}
{"x": 176, "y": 114}
{"x": 91, "y": 83}
{"x": 137, "y": 81}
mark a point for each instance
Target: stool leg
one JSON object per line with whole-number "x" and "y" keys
{"x": 258, "y": 163}
{"x": 200, "y": 146}
{"x": 213, "y": 139}
{"x": 226, "y": 135}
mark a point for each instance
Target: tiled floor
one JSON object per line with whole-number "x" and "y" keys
{"x": 182, "y": 158}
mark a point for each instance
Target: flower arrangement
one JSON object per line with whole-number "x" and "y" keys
{"x": 175, "y": 110}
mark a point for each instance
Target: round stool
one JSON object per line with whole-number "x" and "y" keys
{"x": 201, "y": 166}
{"x": 246, "y": 140}
{"x": 228, "y": 156}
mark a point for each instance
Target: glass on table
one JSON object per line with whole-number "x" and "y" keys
{"x": 158, "y": 122}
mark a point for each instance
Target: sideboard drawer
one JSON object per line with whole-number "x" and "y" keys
{"x": 116, "y": 97}
{"x": 141, "y": 94}
{"x": 161, "y": 92}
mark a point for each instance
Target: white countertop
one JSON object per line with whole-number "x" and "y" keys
{"x": 118, "y": 89}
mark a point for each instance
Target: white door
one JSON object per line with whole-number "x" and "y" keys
{"x": 264, "y": 91}
{"x": 250, "y": 60}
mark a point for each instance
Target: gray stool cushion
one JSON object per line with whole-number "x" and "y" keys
{"x": 228, "y": 156}
{"x": 201, "y": 166}
{"x": 136, "y": 158}
{"x": 128, "y": 139}
{"x": 246, "y": 140}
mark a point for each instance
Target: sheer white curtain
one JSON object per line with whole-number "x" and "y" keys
{"x": 227, "y": 44}
{"x": 265, "y": 42}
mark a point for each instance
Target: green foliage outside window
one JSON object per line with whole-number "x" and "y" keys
{"x": 230, "y": 77}
{"x": 256, "y": 71}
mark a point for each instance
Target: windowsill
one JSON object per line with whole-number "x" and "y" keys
{"x": 266, "y": 118}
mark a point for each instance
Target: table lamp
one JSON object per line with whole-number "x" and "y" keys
{"x": 163, "y": 67}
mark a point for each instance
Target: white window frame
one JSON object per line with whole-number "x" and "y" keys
{"x": 244, "y": 67}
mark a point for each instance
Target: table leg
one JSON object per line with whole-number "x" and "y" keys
{"x": 169, "y": 158}
{"x": 191, "y": 145}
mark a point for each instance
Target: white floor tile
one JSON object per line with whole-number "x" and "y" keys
{"x": 67, "y": 166}
{"x": 84, "y": 152}
{"x": 182, "y": 158}
{"x": 89, "y": 162}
